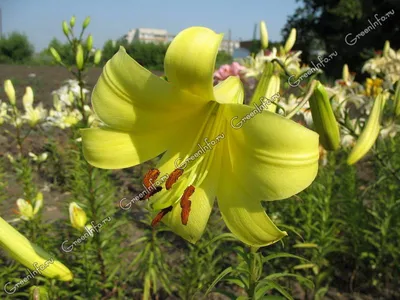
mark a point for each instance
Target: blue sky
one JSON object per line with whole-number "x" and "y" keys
{"x": 111, "y": 19}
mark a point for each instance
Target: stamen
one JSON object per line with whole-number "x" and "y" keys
{"x": 186, "y": 204}
{"x": 160, "y": 215}
{"x": 153, "y": 192}
{"x": 148, "y": 180}
{"x": 150, "y": 177}
{"x": 173, "y": 178}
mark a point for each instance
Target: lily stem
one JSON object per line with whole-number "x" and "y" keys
{"x": 253, "y": 273}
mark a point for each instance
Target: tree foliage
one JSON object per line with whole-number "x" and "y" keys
{"x": 15, "y": 48}
{"x": 324, "y": 24}
{"x": 149, "y": 55}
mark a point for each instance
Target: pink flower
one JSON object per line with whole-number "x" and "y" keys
{"x": 228, "y": 70}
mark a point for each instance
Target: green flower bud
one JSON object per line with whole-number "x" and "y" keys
{"x": 86, "y": 22}
{"x": 345, "y": 73}
{"x": 89, "y": 42}
{"x": 267, "y": 89}
{"x": 65, "y": 28}
{"x": 55, "y": 55}
{"x": 371, "y": 130}
{"x": 263, "y": 35}
{"x": 38, "y": 293}
{"x": 97, "y": 57}
{"x": 77, "y": 216}
{"x": 386, "y": 48}
{"x": 72, "y": 21}
{"x": 291, "y": 40}
{"x": 397, "y": 99}
{"x": 324, "y": 118}
{"x": 27, "y": 99}
{"x": 10, "y": 91}
{"x": 79, "y": 57}
{"x": 31, "y": 255}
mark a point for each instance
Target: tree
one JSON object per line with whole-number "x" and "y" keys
{"x": 324, "y": 25}
{"x": 15, "y": 48}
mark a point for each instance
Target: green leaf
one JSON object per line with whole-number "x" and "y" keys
{"x": 218, "y": 279}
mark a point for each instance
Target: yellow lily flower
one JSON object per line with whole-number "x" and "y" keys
{"x": 31, "y": 255}
{"x": 215, "y": 146}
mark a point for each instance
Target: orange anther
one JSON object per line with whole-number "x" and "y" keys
{"x": 160, "y": 215}
{"x": 150, "y": 177}
{"x": 173, "y": 178}
{"x": 186, "y": 204}
{"x": 158, "y": 189}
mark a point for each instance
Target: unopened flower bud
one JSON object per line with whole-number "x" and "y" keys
{"x": 371, "y": 130}
{"x": 38, "y": 293}
{"x": 263, "y": 35}
{"x": 345, "y": 73}
{"x": 324, "y": 119}
{"x": 27, "y": 99}
{"x": 31, "y": 255}
{"x": 97, "y": 57}
{"x": 86, "y": 22}
{"x": 267, "y": 89}
{"x": 397, "y": 99}
{"x": 89, "y": 42}
{"x": 65, "y": 28}
{"x": 291, "y": 40}
{"x": 55, "y": 55}
{"x": 386, "y": 48}
{"x": 72, "y": 21}
{"x": 79, "y": 57}
{"x": 10, "y": 91}
{"x": 77, "y": 216}
{"x": 38, "y": 203}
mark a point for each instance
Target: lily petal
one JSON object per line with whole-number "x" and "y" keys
{"x": 245, "y": 217}
{"x": 109, "y": 149}
{"x": 190, "y": 61}
{"x": 113, "y": 149}
{"x": 283, "y": 154}
{"x": 229, "y": 91}
{"x": 202, "y": 204}
{"x": 128, "y": 97}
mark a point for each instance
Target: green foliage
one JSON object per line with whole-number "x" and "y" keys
{"x": 15, "y": 49}
{"x": 223, "y": 58}
{"x": 323, "y": 25}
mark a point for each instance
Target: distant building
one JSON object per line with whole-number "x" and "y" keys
{"x": 148, "y": 35}
{"x": 161, "y": 36}
{"x": 229, "y": 46}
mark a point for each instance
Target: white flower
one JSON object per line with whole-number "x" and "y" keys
{"x": 38, "y": 158}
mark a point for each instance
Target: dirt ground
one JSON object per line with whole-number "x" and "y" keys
{"x": 43, "y": 80}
